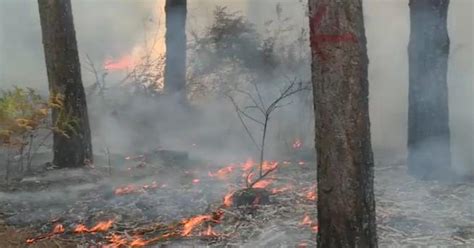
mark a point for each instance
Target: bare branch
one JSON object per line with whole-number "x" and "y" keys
{"x": 242, "y": 121}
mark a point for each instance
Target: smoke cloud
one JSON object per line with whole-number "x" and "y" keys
{"x": 107, "y": 29}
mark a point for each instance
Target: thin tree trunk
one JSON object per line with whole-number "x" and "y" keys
{"x": 346, "y": 205}
{"x": 429, "y": 155}
{"x": 64, "y": 76}
{"x": 175, "y": 67}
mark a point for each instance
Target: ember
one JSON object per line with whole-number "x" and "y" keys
{"x": 126, "y": 190}
{"x": 311, "y": 193}
{"x": 297, "y": 144}
{"x": 308, "y": 222}
{"x": 130, "y": 189}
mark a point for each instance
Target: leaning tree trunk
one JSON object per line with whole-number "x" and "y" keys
{"x": 429, "y": 155}
{"x": 346, "y": 205}
{"x": 175, "y": 67}
{"x": 64, "y": 76}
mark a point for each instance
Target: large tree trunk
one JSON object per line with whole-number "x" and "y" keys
{"x": 346, "y": 205}
{"x": 175, "y": 67}
{"x": 64, "y": 76}
{"x": 429, "y": 155}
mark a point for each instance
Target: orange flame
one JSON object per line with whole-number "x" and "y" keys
{"x": 138, "y": 242}
{"x": 222, "y": 173}
{"x": 116, "y": 241}
{"x": 99, "y": 227}
{"x": 209, "y": 232}
{"x": 81, "y": 229}
{"x": 120, "y": 64}
{"x": 282, "y": 189}
{"x": 228, "y": 199}
{"x": 102, "y": 226}
{"x": 308, "y": 222}
{"x": 193, "y": 222}
{"x": 262, "y": 184}
{"x": 311, "y": 193}
{"x": 248, "y": 165}
{"x": 269, "y": 165}
{"x": 59, "y": 228}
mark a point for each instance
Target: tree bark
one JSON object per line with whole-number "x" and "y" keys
{"x": 175, "y": 67}
{"x": 346, "y": 205}
{"x": 429, "y": 155}
{"x": 64, "y": 76}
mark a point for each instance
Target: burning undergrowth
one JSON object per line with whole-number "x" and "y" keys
{"x": 147, "y": 204}
{"x": 150, "y": 203}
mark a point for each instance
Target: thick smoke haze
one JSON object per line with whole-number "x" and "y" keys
{"x": 110, "y": 29}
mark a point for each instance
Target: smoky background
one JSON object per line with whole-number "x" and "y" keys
{"x": 108, "y": 29}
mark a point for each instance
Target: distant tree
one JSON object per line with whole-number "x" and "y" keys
{"x": 175, "y": 67}
{"x": 74, "y": 148}
{"x": 429, "y": 155}
{"x": 346, "y": 205}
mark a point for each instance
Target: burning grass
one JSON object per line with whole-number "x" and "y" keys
{"x": 186, "y": 213}
{"x": 194, "y": 207}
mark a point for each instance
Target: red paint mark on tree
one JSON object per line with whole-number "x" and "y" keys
{"x": 317, "y": 39}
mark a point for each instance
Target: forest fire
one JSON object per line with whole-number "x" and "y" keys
{"x": 162, "y": 88}
{"x": 203, "y": 222}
